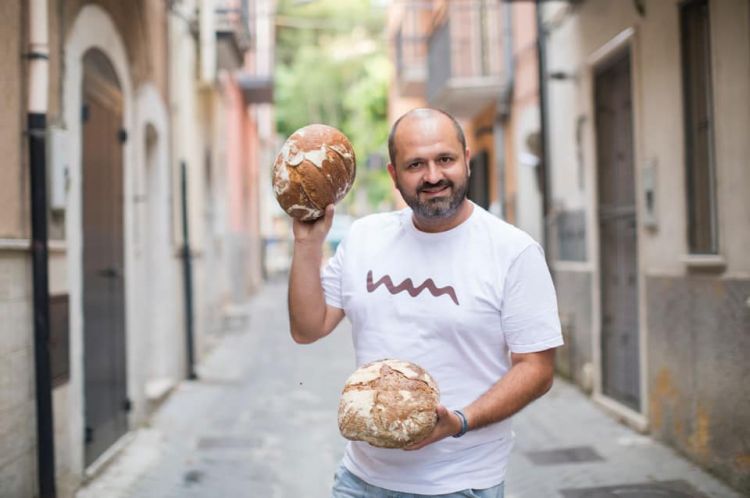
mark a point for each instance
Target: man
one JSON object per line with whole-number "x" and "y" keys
{"x": 479, "y": 313}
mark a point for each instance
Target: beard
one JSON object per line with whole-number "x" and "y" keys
{"x": 436, "y": 207}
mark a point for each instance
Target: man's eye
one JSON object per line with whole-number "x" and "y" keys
{"x": 413, "y": 165}
{"x": 446, "y": 159}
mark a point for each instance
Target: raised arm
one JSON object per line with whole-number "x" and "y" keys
{"x": 310, "y": 318}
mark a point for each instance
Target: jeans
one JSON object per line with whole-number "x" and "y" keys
{"x": 347, "y": 485}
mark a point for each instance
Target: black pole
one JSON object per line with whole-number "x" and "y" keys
{"x": 544, "y": 174}
{"x": 188, "y": 273}
{"x": 37, "y": 127}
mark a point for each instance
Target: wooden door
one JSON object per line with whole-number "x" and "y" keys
{"x": 106, "y": 403}
{"x": 617, "y": 232}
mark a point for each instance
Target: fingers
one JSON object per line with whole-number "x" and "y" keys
{"x": 442, "y": 412}
{"x": 328, "y": 217}
{"x": 446, "y": 426}
{"x": 315, "y": 230}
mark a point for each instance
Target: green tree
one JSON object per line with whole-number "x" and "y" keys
{"x": 332, "y": 69}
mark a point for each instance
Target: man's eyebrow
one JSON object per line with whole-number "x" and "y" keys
{"x": 412, "y": 159}
{"x": 445, "y": 153}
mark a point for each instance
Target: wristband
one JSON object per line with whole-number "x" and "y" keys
{"x": 464, "y": 423}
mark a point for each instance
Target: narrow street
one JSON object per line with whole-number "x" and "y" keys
{"x": 261, "y": 422}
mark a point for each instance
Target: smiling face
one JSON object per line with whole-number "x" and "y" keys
{"x": 431, "y": 170}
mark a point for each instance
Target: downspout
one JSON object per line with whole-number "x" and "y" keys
{"x": 543, "y": 125}
{"x": 38, "y": 60}
{"x": 504, "y": 106}
{"x": 187, "y": 269}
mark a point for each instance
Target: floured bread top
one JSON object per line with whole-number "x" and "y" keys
{"x": 389, "y": 404}
{"x": 315, "y": 167}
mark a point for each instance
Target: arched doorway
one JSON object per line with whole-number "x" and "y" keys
{"x": 103, "y": 137}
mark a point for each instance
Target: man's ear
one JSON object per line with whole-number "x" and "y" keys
{"x": 392, "y": 171}
{"x": 467, "y": 154}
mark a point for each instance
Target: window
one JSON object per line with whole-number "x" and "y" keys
{"x": 699, "y": 122}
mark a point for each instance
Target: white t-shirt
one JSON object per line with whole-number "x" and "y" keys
{"x": 456, "y": 303}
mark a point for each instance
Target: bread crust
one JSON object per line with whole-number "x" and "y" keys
{"x": 315, "y": 167}
{"x": 389, "y": 404}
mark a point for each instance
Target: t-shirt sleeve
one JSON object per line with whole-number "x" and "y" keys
{"x": 529, "y": 311}
{"x": 331, "y": 278}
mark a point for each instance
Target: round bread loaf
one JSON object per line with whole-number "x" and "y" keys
{"x": 315, "y": 168}
{"x": 389, "y": 404}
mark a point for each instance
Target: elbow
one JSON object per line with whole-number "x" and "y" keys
{"x": 301, "y": 338}
{"x": 548, "y": 385}
{"x": 547, "y": 382}
{"x": 298, "y": 339}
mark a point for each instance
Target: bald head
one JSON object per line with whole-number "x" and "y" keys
{"x": 422, "y": 113}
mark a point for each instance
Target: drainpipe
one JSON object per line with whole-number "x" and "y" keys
{"x": 187, "y": 269}
{"x": 38, "y": 57}
{"x": 541, "y": 44}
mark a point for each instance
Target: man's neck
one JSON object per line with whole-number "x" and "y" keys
{"x": 434, "y": 225}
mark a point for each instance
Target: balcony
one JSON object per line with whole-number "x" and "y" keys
{"x": 465, "y": 67}
{"x": 255, "y": 89}
{"x": 232, "y": 33}
{"x": 410, "y": 43}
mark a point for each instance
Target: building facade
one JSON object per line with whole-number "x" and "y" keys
{"x": 147, "y": 104}
{"x": 648, "y": 112}
{"x": 477, "y": 60}
{"x": 628, "y": 159}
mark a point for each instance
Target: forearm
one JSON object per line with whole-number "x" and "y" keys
{"x": 307, "y": 306}
{"x": 525, "y": 381}
{"x": 529, "y": 377}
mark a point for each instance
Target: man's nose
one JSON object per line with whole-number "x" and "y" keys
{"x": 433, "y": 174}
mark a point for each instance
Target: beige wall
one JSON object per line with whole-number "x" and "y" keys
{"x": 14, "y": 180}
{"x": 143, "y": 26}
{"x": 730, "y": 20}
{"x": 658, "y": 120}
{"x": 524, "y": 202}
{"x": 17, "y": 406}
{"x": 690, "y": 324}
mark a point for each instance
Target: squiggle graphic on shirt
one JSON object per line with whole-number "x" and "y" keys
{"x": 408, "y": 286}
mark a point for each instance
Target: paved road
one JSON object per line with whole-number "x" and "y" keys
{"x": 261, "y": 422}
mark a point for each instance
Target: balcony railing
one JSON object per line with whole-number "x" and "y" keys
{"x": 411, "y": 50}
{"x": 232, "y": 32}
{"x": 465, "y": 58}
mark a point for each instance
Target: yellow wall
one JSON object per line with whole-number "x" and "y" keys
{"x": 14, "y": 181}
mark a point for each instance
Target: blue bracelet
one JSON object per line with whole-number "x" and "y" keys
{"x": 464, "y": 423}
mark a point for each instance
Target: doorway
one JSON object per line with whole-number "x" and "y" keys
{"x": 616, "y": 216}
{"x": 105, "y": 389}
{"x": 479, "y": 180}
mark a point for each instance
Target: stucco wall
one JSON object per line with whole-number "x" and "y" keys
{"x": 14, "y": 181}
{"x": 731, "y": 56}
{"x": 574, "y": 359}
{"x": 693, "y": 323}
{"x": 699, "y": 397}
{"x": 658, "y": 119}
{"x": 17, "y": 406}
{"x": 143, "y": 27}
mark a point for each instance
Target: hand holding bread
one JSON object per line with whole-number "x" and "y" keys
{"x": 315, "y": 168}
{"x": 389, "y": 404}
